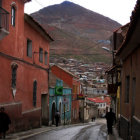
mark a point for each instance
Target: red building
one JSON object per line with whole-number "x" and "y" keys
{"x": 24, "y": 62}
{"x": 73, "y": 82}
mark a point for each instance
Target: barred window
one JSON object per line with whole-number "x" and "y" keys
{"x": 29, "y": 48}
{"x": 41, "y": 55}
{"x": 14, "y": 71}
{"x": 13, "y": 15}
{"x": 46, "y": 57}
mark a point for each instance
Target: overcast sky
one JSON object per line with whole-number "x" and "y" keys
{"x": 118, "y": 10}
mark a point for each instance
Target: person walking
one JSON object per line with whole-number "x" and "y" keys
{"x": 57, "y": 117}
{"x": 111, "y": 118}
{"x": 4, "y": 122}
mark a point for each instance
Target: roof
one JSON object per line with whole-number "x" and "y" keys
{"x": 37, "y": 27}
{"x": 133, "y": 21}
{"x": 100, "y": 100}
{"x": 52, "y": 80}
{"x": 66, "y": 71}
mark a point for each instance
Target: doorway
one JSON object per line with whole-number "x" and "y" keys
{"x": 53, "y": 113}
{"x": 45, "y": 109}
{"x": 60, "y": 112}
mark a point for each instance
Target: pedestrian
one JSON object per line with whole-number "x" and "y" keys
{"x": 4, "y": 122}
{"x": 57, "y": 117}
{"x": 93, "y": 118}
{"x": 111, "y": 118}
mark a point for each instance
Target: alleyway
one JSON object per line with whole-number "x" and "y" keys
{"x": 82, "y": 132}
{"x": 88, "y": 131}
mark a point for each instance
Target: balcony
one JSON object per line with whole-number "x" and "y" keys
{"x": 4, "y": 23}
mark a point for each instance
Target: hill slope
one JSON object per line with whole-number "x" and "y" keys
{"x": 78, "y": 32}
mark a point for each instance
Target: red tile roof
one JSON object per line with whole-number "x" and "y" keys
{"x": 100, "y": 100}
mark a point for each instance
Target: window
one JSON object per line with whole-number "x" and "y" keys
{"x": 46, "y": 57}
{"x": 127, "y": 84}
{"x": 29, "y": 48}
{"x": 133, "y": 95}
{"x": 13, "y": 14}
{"x": 34, "y": 93}
{"x": 14, "y": 70}
{"x": 41, "y": 55}
{"x": 0, "y": 3}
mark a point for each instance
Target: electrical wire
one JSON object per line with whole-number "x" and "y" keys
{"x": 39, "y": 3}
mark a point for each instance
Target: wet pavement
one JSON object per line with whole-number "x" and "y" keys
{"x": 91, "y": 131}
{"x": 82, "y": 131}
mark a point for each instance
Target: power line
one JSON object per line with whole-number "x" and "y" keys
{"x": 39, "y": 3}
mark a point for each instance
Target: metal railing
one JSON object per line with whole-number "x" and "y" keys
{"x": 4, "y": 19}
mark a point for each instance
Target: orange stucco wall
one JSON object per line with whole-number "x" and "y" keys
{"x": 13, "y": 49}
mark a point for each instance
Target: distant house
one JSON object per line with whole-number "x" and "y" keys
{"x": 60, "y": 98}
{"x": 102, "y": 103}
{"x": 73, "y": 82}
{"x": 24, "y": 57}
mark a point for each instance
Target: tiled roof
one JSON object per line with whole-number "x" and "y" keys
{"x": 100, "y": 100}
{"x": 66, "y": 71}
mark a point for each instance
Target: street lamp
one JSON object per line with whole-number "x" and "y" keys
{"x": 113, "y": 52}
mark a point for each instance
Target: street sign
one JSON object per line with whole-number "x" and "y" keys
{"x": 58, "y": 90}
{"x": 80, "y": 97}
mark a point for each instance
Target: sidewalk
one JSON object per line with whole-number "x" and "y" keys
{"x": 115, "y": 135}
{"x": 32, "y": 132}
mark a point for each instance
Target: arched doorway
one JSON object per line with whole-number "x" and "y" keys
{"x": 53, "y": 113}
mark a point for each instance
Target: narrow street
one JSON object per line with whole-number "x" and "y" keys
{"x": 88, "y": 131}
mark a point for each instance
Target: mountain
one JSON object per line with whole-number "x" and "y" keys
{"x": 78, "y": 32}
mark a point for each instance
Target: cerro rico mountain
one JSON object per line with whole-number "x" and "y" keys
{"x": 78, "y": 32}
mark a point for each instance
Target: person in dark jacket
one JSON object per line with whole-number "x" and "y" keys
{"x": 4, "y": 122}
{"x": 57, "y": 117}
{"x": 111, "y": 118}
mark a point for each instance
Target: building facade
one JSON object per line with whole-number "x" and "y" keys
{"x": 60, "y": 99}
{"x": 129, "y": 56}
{"x": 73, "y": 82}
{"x": 24, "y": 56}
{"x": 124, "y": 76}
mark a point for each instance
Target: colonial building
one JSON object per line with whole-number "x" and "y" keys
{"x": 129, "y": 56}
{"x": 124, "y": 77}
{"x": 73, "y": 82}
{"x": 102, "y": 103}
{"x": 24, "y": 57}
{"x": 114, "y": 72}
{"x": 60, "y": 99}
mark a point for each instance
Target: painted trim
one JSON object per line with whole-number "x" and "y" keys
{"x": 9, "y": 104}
